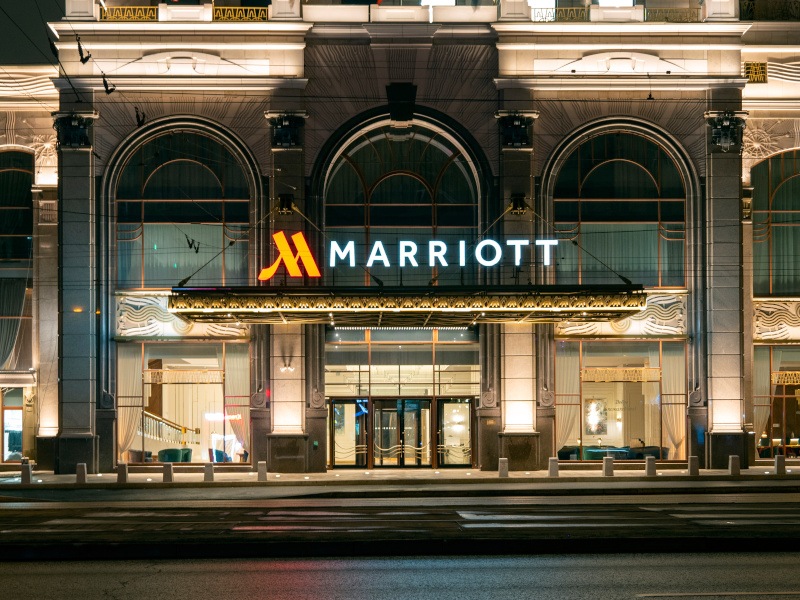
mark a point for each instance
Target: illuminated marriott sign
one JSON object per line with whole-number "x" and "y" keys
{"x": 408, "y": 254}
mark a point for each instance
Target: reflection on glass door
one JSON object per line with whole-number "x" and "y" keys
{"x": 454, "y": 432}
{"x": 349, "y": 423}
{"x": 402, "y": 433}
{"x": 12, "y": 434}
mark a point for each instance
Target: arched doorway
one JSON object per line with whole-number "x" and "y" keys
{"x": 401, "y": 396}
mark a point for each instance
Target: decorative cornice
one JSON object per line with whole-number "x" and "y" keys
{"x": 188, "y": 83}
{"x": 613, "y": 82}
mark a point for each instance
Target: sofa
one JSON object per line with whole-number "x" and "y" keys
{"x": 175, "y": 455}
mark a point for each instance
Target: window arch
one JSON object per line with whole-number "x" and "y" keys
{"x": 413, "y": 184}
{"x": 776, "y": 224}
{"x": 619, "y": 202}
{"x": 183, "y": 201}
{"x": 16, "y": 246}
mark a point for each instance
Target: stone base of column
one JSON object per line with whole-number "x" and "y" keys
{"x": 698, "y": 426}
{"x": 70, "y": 451}
{"x": 106, "y": 423}
{"x": 316, "y": 425}
{"x": 259, "y": 418}
{"x": 521, "y": 449}
{"x": 45, "y": 453}
{"x": 725, "y": 444}
{"x": 545, "y": 425}
{"x": 287, "y": 452}
{"x": 488, "y": 428}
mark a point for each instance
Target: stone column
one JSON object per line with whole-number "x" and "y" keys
{"x": 287, "y": 444}
{"x": 519, "y": 441}
{"x": 316, "y": 412}
{"x": 45, "y": 323}
{"x": 724, "y": 326}
{"x": 261, "y": 392}
{"x": 488, "y": 411}
{"x": 77, "y": 275}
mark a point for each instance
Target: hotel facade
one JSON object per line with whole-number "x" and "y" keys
{"x": 328, "y": 235}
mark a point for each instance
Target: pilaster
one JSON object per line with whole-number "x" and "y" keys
{"x": 77, "y": 275}
{"x": 724, "y": 280}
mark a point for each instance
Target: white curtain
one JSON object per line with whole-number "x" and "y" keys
{"x": 673, "y": 407}
{"x": 12, "y": 301}
{"x": 237, "y": 391}
{"x": 761, "y": 391}
{"x": 568, "y": 416}
{"x": 652, "y": 402}
{"x": 129, "y": 395}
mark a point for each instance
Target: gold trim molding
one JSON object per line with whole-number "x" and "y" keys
{"x": 387, "y": 307}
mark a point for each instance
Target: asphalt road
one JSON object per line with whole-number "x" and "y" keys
{"x": 629, "y": 576}
{"x": 396, "y": 526}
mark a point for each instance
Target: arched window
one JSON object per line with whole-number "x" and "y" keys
{"x": 620, "y": 203}
{"x": 389, "y": 185}
{"x": 16, "y": 235}
{"x": 183, "y": 206}
{"x": 776, "y": 224}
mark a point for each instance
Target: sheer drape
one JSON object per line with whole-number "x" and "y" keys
{"x": 129, "y": 395}
{"x": 652, "y": 401}
{"x": 673, "y": 401}
{"x": 568, "y": 416}
{"x": 237, "y": 391}
{"x": 12, "y": 300}
{"x": 631, "y": 250}
{"x": 761, "y": 391}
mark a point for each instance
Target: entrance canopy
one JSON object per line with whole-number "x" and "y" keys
{"x": 442, "y": 306}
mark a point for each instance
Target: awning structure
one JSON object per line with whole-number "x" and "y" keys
{"x": 442, "y": 306}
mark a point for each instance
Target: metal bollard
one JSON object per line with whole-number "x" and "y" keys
{"x": 26, "y": 474}
{"x": 608, "y": 466}
{"x": 780, "y": 465}
{"x": 650, "y": 466}
{"x": 80, "y": 473}
{"x": 552, "y": 467}
{"x": 694, "y": 466}
{"x": 208, "y": 472}
{"x": 122, "y": 473}
{"x": 262, "y": 470}
{"x": 169, "y": 473}
{"x": 502, "y": 467}
{"x": 734, "y": 464}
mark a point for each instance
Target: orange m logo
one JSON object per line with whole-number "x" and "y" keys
{"x": 290, "y": 259}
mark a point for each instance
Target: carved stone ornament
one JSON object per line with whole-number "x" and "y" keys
{"x": 147, "y": 317}
{"x": 73, "y": 129}
{"x": 776, "y": 321}
{"x": 695, "y": 398}
{"x": 317, "y": 399}
{"x": 726, "y": 128}
{"x": 546, "y": 398}
{"x": 665, "y": 315}
{"x": 258, "y": 400}
{"x": 488, "y": 399}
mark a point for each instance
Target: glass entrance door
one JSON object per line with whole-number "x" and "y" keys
{"x": 349, "y": 432}
{"x": 454, "y": 446}
{"x": 402, "y": 433}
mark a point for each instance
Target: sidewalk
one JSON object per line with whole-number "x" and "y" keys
{"x": 758, "y": 479}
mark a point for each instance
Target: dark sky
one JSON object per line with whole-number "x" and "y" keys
{"x": 15, "y": 48}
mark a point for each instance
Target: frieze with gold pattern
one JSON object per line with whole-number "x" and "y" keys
{"x": 396, "y": 306}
